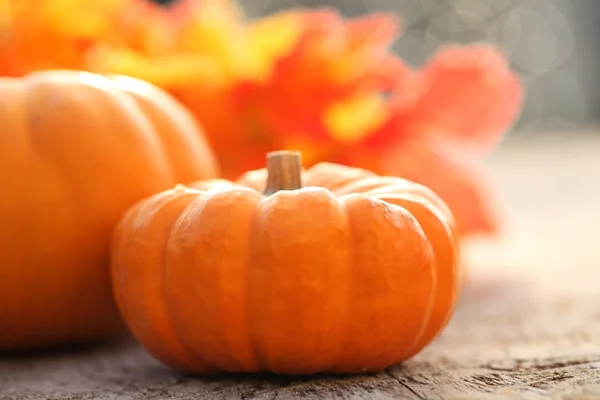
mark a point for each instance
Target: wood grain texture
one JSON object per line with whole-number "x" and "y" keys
{"x": 528, "y": 325}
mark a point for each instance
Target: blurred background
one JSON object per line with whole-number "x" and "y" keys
{"x": 550, "y": 43}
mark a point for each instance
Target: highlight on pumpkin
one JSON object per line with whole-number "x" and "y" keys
{"x": 293, "y": 257}
{"x": 303, "y": 79}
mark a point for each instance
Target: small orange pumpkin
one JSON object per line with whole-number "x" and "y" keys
{"x": 76, "y": 150}
{"x": 351, "y": 273}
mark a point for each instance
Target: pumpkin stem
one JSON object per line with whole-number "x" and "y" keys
{"x": 284, "y": 171}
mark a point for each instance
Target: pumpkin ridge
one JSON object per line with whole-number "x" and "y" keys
{"x": 170, "y": 243}
{"x": 201, "y": 269}
{"x": 254, "y": 361}
{"x": 155, "y": 206}
{"x": 302, "y": 265}
{"x": 344, "y": 329}
{"x": 122, "y": 228}
{"x": 430, "y": 303}
{"x": 255, "y": 342}
{"x": 163, "y": 295}
{"x": 387, "y": 304}
{"x": 437, "y": 228}
{"x": 257, "y": 360}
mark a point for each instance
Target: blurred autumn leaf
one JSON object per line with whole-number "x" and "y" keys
{"x": 306, "y": 79}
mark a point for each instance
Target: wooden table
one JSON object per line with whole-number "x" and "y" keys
{"x": 528, "y": 325}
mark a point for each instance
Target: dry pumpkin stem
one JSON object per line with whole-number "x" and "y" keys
{"x": 284, "y": 169}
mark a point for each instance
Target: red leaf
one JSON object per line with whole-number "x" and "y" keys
{"x": 469, "y": 96}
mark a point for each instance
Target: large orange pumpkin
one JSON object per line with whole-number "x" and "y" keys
{"x": 351, "y": 273}
{"x": 76, "y": 150}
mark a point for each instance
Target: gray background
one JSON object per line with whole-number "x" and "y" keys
{"x": 551, "y": 43}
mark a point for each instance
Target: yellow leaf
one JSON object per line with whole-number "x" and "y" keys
{"x": 353, "y": 119}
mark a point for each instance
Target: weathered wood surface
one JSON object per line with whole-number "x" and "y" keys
{"x": 528, "y": 325}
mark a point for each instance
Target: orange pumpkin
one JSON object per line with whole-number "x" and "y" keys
{"x": 76, "y": 150}
{"x": 351, "y": 273}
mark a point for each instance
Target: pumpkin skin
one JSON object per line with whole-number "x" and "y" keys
{"x": 351, "y": 273}
{"x": 76, "y": 150}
